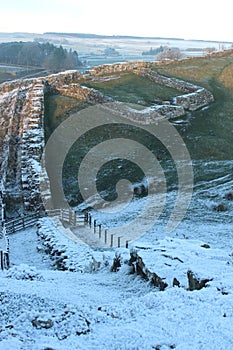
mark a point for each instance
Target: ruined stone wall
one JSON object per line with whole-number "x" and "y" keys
{"x": 108, "y": 69}
{"x": 174, "y": 83}
{"x": 82, "y": 93}
{"x": 195, "y": 100}
{"x": 32, "y": 144}
{"x": 22, "y": 122}
{"x": 195, "y": 96}
{"x": 22, "y": 115}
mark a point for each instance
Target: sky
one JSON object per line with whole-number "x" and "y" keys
{"x": 198, "y": 19}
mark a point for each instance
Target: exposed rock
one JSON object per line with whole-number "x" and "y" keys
{"x": 195, "y": 283}
{"x": 206, "y": 246}
{"x": 140, "y": 269}
{"x": 39, "y": 323}
{"x": 220, "y": 207}
{"x": 229, "y": 196}
{"x": 116, "y": 263}
{"x": 176, "y": 283}
{"x": 158, "y": 282}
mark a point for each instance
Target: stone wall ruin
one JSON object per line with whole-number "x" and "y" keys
{"x": 22, "y": 119}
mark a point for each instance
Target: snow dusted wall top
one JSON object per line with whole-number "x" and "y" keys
{"x": 22, "y": 141}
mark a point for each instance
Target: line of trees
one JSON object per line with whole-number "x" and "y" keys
{"x": 44, "y": 55}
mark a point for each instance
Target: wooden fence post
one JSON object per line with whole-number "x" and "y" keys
{"x": 105, "y": 236}
{"x": 70, "y": 216}
{"x": 111, "y": 244}
{"x": 100, "y": 231}
{"x": 2, "y": 260}
{"x": 75, "y": 218}
{"x": 127, "y": 244}
{"x": 94, "y": 226}
{"x": 86, "y": 218}
{"x": 119, "y": 242}
{"x": 7, "y": 259}
{"x": 90, "y": 219}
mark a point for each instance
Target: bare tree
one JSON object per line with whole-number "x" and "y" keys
{"x": 171, "y": 53}
{"x": 209, "y": 50}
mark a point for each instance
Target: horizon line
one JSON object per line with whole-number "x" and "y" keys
{"x": 116, "y": 36}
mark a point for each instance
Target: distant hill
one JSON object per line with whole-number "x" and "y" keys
{"x": 97, "y": 36}
{"x": 44, "y": 55}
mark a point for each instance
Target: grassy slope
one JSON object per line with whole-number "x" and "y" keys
{"x": 57, "y": 109}
{"x": 203, "y": 69}
{"x": 211, "y": 129}
{"x": 208, "y": 135}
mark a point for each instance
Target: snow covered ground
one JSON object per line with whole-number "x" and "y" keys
{"x": 43, "y": 308}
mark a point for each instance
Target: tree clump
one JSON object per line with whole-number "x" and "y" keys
{"x": 170, "y": 53}
{"x": 43, "y": 55}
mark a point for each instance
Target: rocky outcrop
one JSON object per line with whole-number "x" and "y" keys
{"x": 196, "y": 283}
{"x": 140, "y": 268}
{"x": 176, "y": 263}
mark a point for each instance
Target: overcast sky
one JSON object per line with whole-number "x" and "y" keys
{"x": 197, "y": 19}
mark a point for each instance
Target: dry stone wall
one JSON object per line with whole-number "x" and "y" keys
{"x": 194, "y": 98}
{"x": 82, "y": 93}
{"x": 22, "y": 116}
{"x": 32, "y": 144}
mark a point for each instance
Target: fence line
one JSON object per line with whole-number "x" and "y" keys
{"x": 66, "y": 216}
{"x": 106, "y": 238}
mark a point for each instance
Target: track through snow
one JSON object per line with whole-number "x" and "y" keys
{"x": 103, "y": 310}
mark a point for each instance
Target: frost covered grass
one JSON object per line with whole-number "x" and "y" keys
{"x": 105, "y": 310}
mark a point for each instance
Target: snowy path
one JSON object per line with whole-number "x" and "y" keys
{"x": 23, "y": 249}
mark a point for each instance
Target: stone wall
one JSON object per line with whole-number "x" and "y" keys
{"x": 194, "y": 100}
{"x": 195, "y": 96}
{"x": 174, "y": 83}
{"x": 32, "y": 144}
{"x": 22, "y": 115}
{"x": 82, "y": 93}
{"x": 107, "y": 69}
